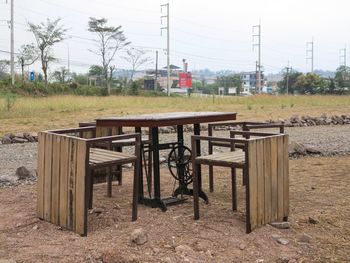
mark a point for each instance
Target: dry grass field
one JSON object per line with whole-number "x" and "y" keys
{"x": 35, "y": 114}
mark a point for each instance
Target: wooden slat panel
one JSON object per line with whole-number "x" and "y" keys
{"x": 280, "y": 169}
{"x": 41, "y": 175}
{"x": 285, "y": 177}
{"x": 47, "y": 175}
{"x": 267, "y": 177}
{"x": 261, "y": 181}
{"x": 253, "y": 184}
{"x": 64, "y": 158}
{"x": 56, "y": 146}
{"x": 274, "y": 171}
{"x": 101, "y": 131}
{"x": 81, "y": 207}
{"x": 72, "y": 165}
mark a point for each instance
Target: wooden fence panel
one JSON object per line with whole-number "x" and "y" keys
{"x": 62, "y": 163}
{"x": 268, "y": 191}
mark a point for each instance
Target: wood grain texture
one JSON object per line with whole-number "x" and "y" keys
{"x": 48, "y": 176}
{"x": 253, "y": 184}
{"x": 280, "y": 171}
{"x": 64, "y": 160}
{"x": 41, "y": 175}
{"x": 285, "y": 177}
{"x": 80, "y": 191}
{"x": 55, "y": 189}
{"x": 267, "y": 180}
{"x": 72, "y": 169}
{"x": 260, "y": 181}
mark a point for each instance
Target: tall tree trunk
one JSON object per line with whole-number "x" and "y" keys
{"x": 22, "y": 68}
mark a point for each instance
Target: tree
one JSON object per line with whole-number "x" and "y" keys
{"x": 136, "y": 58}
{"x": 47, "y": 35}
{"x": 60, "y": 75}
{"x": 110, "y": 40}
{"x": 4, "y": 67}
{"x": 310, "y": 83}
{"x": 27, "y": 55}
{"x": 342, "y": 78}
{"x": 230, "y": 81}
{"x": 292, "y": 79}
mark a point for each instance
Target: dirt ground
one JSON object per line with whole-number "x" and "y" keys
{"x": 319, "y": 189}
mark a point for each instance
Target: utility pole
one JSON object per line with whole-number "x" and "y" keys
{"x": 68, "y": 61}
{"x": 258, "y": 35}
{"x": 287, "y": 77}
{"x": 310, "y": 53}
{"x": 12, "y": 45}
{"x": 342, "y": 56}
{"x": 168, "y": 43}
{"x": 156, "y": 74}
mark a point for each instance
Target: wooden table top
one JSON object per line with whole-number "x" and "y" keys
{"x": 165, "y": 119}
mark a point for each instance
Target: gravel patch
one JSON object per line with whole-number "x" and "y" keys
{"x": 329, "y": 140}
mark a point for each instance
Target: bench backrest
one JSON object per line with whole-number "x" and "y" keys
{"x": 268, "y": 169}
{"x": 62, "y": 181}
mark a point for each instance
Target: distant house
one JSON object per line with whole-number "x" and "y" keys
{"x": 249, "y": 79}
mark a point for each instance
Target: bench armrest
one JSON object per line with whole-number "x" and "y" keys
{"x": 247, "y": 134}
{"x": 74, "y": 130}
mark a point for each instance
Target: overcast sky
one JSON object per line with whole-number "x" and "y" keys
{"x": 209, "y": 34}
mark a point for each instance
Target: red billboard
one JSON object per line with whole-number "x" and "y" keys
{"x": 185, "y": 80}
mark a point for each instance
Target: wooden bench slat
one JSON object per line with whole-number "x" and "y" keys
{"x": 229, "y": 157}
{"x": 108, "y": 153}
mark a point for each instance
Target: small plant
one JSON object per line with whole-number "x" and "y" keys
{"x": 10, "y": 100}
{"x": 283, "y": 106}
{"x": 292, "y": 105}
{"x": 249, "y": 107}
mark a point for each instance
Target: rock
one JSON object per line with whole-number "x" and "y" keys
{"x": 304, "y": 238}
{"x": 6, "y": 140}
{"x": 242, "y": 246}
{"x": 312, "y": 221}
{"x": 280, "y": 225}
{"x": 184, "y": 250}
{"x": 162, "y": 160}
{"x": 280, "y": 240}
{"x": 36, "y": 227}
{"x": 28, "y": 137}
{"x": 283, "y": 241}
{"x": 18, "y": 140}
{"x": 7, "y": 180}
{"x": 313, "y": 150}
{"x": 23, "y": 173}
{"x": 97, "y": 210}
{"x": 295, "y": 148}
{"x": 138, "y": 237}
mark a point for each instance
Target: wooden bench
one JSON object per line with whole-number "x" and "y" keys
{"x": 65, "y": 165}
{"x": 245, "y": 126}
{"x": 265, "y": 164}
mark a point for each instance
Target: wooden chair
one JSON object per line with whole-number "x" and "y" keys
{"x": 65, "y": 179}
{"x": 264, "y": 161}
{"x": 118, "y": 146}
{"x": 245, "y": 126}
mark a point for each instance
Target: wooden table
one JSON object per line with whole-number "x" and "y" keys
{"x": 114, "y": 125}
